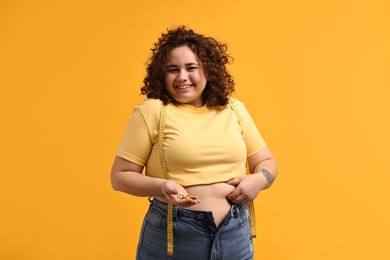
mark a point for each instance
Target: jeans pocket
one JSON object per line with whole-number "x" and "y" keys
{"x": 157, "y": 219}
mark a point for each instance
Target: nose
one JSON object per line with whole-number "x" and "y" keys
{"x": 182, "y": 76}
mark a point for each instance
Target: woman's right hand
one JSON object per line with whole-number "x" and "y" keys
{"x": 171, "y": 191}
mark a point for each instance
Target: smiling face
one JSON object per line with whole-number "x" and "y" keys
{"x": 184, "y": 77}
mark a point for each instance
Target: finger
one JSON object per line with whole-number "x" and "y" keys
{"x": 234, "y": 181}
{"x": 187, "y": 203}
{"x": 194, "y": 200}
{"x": 184, "y": 199}
{"x": 235, "y": 193}
{"x": 184, "y": 196}
{"x": 238, "y": 196}
{"x": 233, "y": 196}
{"x": 235, "y": 199}
{"x": 191, "y": 203}
{"x": 242, "y": 198}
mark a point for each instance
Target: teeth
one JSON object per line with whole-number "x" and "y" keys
{"x": 184, "y": 86}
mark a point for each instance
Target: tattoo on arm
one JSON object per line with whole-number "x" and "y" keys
{"x": 268, "y": 177}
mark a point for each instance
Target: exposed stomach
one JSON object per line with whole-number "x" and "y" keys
{"x": 212, "y": 198}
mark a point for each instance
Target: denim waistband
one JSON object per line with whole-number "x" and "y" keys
{"x": 194, "y": 214}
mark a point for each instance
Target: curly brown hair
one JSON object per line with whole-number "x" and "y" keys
{"x": 212, "y": 54}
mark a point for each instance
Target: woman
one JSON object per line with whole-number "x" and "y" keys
{"x": 194, "y": 141}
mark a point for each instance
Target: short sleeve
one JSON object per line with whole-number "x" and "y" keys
{"x": 136, "y": 142}
{"x": 253, "y": 140}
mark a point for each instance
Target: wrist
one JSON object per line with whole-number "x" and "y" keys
{"x": 163, "y": 186}
{"x": 268, "y": 178}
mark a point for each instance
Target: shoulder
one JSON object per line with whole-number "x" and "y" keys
{"x": 149, "y": 105}
{"x": 240, "y": 106}
{"x": 240, "y": 110}
{"x": 149, "y": 109}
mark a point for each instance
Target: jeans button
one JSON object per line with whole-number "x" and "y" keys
{"x": 200, "y": 215}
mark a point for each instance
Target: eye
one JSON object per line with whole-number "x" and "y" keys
{"x": 192, "y": 68}
{"x": 172, "y": 70}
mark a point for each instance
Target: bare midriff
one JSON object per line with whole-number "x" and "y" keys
{"x": 212, "y": 198}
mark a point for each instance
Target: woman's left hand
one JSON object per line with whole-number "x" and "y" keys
{"x": 247, "y": 188}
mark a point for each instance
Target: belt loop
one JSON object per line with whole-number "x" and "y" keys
{"x": 239, "y": 215}
{"x": 232, "y": 210}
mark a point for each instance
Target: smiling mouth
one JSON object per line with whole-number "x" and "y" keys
{"x": 183, "y": 86}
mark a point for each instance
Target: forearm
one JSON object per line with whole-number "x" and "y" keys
{"x": 268, "y": 169}
{"x": 137, "y": 184}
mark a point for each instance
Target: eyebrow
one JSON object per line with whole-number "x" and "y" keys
{"x": 187, "y": 64}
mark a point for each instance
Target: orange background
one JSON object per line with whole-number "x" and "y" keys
{"x": 313, "y": 74}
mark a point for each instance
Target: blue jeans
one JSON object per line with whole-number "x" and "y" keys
{"x": 195, "y": 235}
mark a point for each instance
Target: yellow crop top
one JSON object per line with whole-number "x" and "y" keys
{"x": 201, "y": 145}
